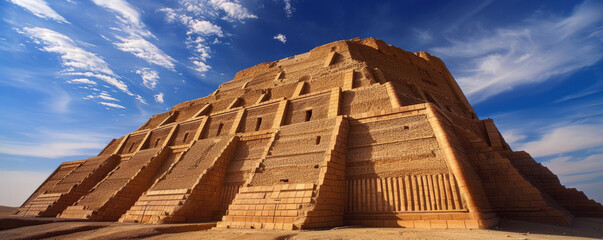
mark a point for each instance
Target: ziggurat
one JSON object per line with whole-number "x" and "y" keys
{"x": 354, "y": 132}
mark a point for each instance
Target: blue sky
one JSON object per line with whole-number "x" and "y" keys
{"x": 75, "y": 74}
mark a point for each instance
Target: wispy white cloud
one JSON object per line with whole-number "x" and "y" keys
{"x": 71, "y": 54}
{"x": 513, "y": 136}
{"x": 280, "y": 37}
{"x": 229, "y": 10}
{"x": 565, "y": 139}
{"x": 41, "y": 9}
{"x": 140, "y": 99}
{"x": 233, "y": 10}
{"x": 199, "y": 17}
{"x": 112, "y": 105}
{"x": 28, "y": 182}
{"x": 82, "y": 81}
{"x": 288, "y": 8}
{"x": 144, "y": 49}
{"x": 102, "y": 95}
{"x": 594, "y": 89}
{"x": 534, "y": 51}
{"x": 128, "y": 15}
{"x": 200, "y": 66}
{"x": 108, "y": 79}
{"x": 150, "y": 77}
{"x": 194, "y": 25}
{"x": 132, "y": 33}
{"x": 76, "y": 60}
{"x": 158, "y": 97}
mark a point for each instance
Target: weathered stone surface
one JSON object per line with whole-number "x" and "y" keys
{"x": 353, "y": 132}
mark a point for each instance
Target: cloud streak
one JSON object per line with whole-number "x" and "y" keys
{"x": 566, "y": 139}
{"x": 145, "y": 50}
{"x": 133, "y": 33}
{"x": 533, "y": 52}
{"x": 76, "y": 60}
{"x": 112, "y": 105}
{"x": 41, "y": 9}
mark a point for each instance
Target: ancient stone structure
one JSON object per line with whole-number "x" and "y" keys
{"x": 353, "y": 132}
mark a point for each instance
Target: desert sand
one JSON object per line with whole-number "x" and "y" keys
{"x": 45, "y": 228}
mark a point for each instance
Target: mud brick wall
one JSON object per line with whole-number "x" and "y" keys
{"x": 111, "y": 147}
{"x": 132, "y": 143}
{"x": 295, "y": 154}
{"x": 408, "y": 93}
{"x": 283, "y": 91}
{"x": 401, "y": 66}
{"x": 363, "y": 100}
{"x": 325, "y": 82}
{"x": 157, "y": 137}
{"x": 186, "y": 113}
{"x": 394, "y": 147}
{"x": 185, "y": 133}
{"x": 155, "y": 121}
{"x": 330, "y": 201}
{"x": 296, "y": 109}
{"x": 184, "y": 174}
{"x": 265, "y": 113}
{"x": 213, "y": 124}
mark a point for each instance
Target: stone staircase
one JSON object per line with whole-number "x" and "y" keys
{"x": 509, "y": 193}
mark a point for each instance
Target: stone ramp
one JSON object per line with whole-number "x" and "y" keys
{"x": 61, "y": 172}
{"x": 510, "y": 194}
{"x": 569, "y": 198}
{"x": 113, "y": 196}
{"x": 251, "y": 149}
{"x": 190, "y": 189}
{"x": 71, "y": 188}
{"x": 285, "y": 187}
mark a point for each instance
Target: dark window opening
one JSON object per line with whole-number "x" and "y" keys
{"x": 308, "y": 115}
{"x": 406, "y": 127}
{"x": 157, "y": 142}
{"x": 220, "y": 129}
{"x": 258, "y": 124}
{"x": 284, "y": 180}
{"x": 317, "y": 140}
{"x": 185, "y": 137}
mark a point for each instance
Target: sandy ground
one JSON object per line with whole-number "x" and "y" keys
{"x": 50, "y": 229}
{"x": 5, "y": 211}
